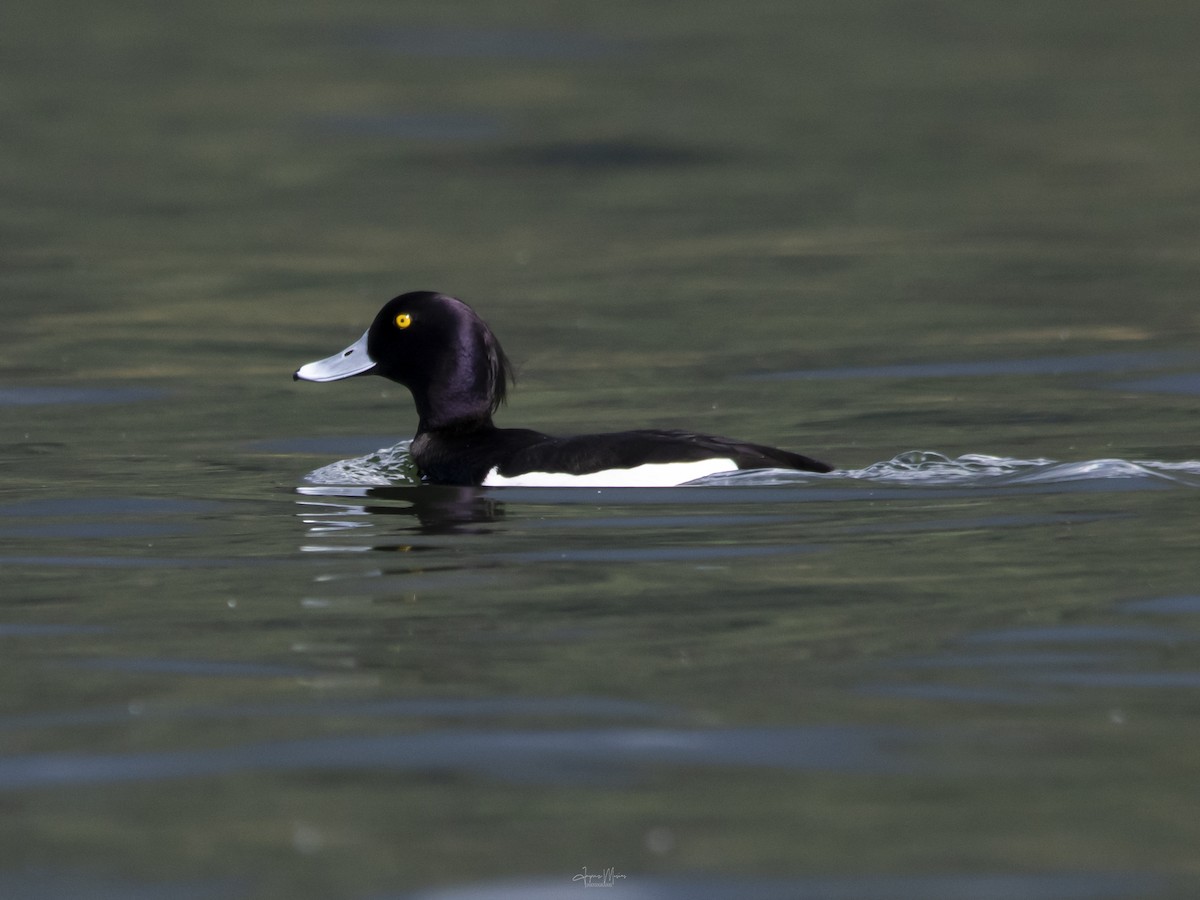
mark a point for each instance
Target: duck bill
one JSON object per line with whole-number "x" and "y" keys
{"x": 354, "y": 360}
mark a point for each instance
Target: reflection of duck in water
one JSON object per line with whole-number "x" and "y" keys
{"x": 437, "y": 509}
{"x": 437, "y": 347}
{"x": 440, "y": 510}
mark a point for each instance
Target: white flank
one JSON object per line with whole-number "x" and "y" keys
{"x": 648, "y": 475}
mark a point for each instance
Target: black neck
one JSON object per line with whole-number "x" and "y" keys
{"x": 452, "y": 420}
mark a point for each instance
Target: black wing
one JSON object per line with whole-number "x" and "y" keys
{"x": 586, "y": 453}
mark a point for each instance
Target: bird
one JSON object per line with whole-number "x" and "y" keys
{"x": 449, "y": 359}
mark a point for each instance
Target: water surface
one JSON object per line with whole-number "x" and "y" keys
{"x": 949, "y": 249}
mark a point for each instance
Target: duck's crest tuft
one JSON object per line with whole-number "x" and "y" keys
{"x": 500, "y": 370}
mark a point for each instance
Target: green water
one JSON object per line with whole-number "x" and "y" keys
{"x": 221, "y": 681}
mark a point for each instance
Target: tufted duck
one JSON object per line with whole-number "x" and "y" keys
{"x": 437, "y": 347}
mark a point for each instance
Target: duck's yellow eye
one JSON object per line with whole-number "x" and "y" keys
{"x": 403, "y": 320}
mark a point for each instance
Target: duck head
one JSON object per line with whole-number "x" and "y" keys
{"x": 437, "y": 347}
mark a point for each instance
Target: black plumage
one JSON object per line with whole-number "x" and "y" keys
{"x": 437, "y": 347}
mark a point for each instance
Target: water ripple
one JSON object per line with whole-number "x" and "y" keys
{"x": 1082, "y": 885}
{"x": 388, "y": 465}
{"x": 930, "y": 467}
{"x": 1041, "y": 365}
{"x": 562, "y": 756}
{"x": 394, "y": 466}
